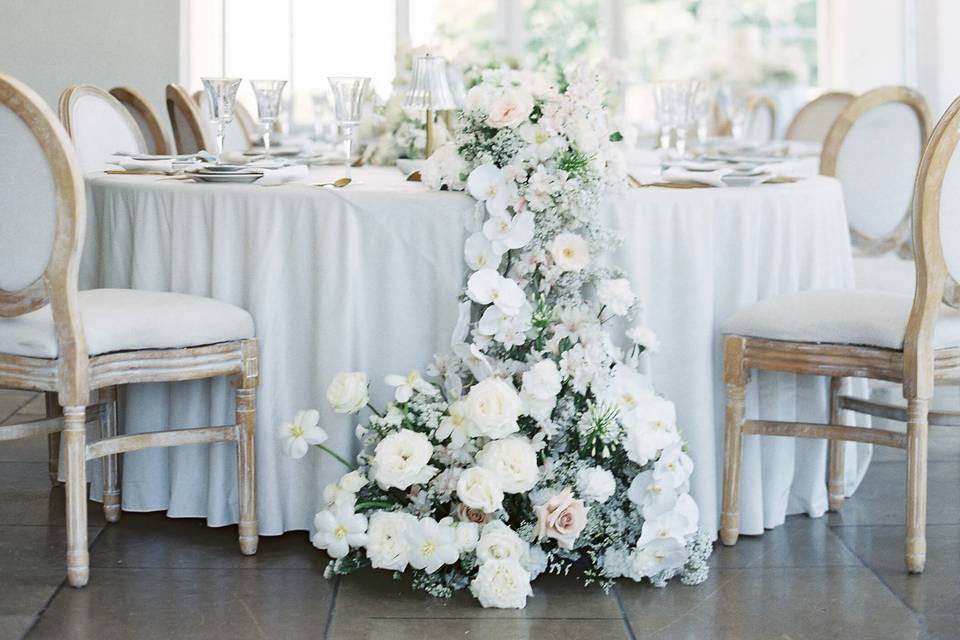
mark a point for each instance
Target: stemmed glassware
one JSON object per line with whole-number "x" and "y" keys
{"x": 675, "y": 111}
{"x": 348, "y": 92}
{"x": 268, "y": 93}
{"x": 733, "y": 103}
{"x": 222, "y": 98}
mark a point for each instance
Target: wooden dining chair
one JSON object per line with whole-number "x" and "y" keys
{"x": 99, "y": 126}
{"x": 146, "y": 117}
{"x": 240, "y": 133}
{"x": 189, "y": 133}
{"x": 761, "y": 119}
{"x": 912, "y": 340}
{"x": 813, "y": 121}
{"x": 54, "y": 338}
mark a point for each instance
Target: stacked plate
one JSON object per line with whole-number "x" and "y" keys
{"x": 230, "y": 173}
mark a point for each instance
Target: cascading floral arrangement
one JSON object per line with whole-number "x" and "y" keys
{"x": 535, "y": 445}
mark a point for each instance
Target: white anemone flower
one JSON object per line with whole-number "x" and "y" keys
{"x": 570, "y": 252}
{"x": 407, "y": 385}
{"x": 479, "y": 254}
{"x": 509, "y": 232}
{"x": 431, "y": 545}
{"x": 339, "y": 529}
{"x": 541, "y": 142}
{"x": 297, "y": 436}
{"x": 486, "y": 286}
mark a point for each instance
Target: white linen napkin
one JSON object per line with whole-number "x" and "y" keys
{"x": 712, "y": 178}
{"x": 130, "y": 164}
{"x": 273, "y": 177}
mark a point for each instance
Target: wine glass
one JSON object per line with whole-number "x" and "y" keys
{"x": 348, "y": 102}
{"x": 222, "y": 98}
{"x": 268, "y": 93}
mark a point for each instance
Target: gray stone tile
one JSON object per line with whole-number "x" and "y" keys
{"x": 553, "y": 596}
{"x": 800, "y": 542}
{"x": 35, "y": 547}
{"x": 529, "y": 629}
{"x": 748, "y": 604}
{"x": 24, "y": 450}
{"x": 27, "y": 591}
{"x": 936, "y": 593}
{"x": 151, "y": 540}
{"x": 13, "y": 627}
{"x": 149, "y": 604}
{"x": 27, "y": 498}
{"x": 881, "y": 497}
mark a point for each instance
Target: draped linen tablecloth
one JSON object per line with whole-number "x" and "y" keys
{"x": 365, "y": 278}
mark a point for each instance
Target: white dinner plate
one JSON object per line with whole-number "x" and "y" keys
{"x": 739, "y": 180}
{"x": 232, "y": 178}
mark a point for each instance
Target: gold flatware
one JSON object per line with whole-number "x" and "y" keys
{"x": 678, "y": 185}
{"x": 135, "y": 172}
{"x": 414, "y": 177}
{"x": 339, "y": 182}
{"x": 782, "y": 180}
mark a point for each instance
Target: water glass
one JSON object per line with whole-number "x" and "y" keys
{"x": 268, "y": 94}
{"x": 348, "y": 93}
{"x": 221, "y": 98}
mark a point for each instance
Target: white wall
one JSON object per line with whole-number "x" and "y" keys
{"x": 51, "y": 44}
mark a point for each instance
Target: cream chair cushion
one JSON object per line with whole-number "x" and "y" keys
{"x": 128, "y": 320}
{"x": 849, "y": 316}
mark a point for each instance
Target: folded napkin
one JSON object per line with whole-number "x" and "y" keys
{"x": 130, "y": 164}
{"x": 273, "y": 177}
{"x": 712, "y": 178}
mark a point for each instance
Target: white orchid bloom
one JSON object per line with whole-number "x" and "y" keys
{"x": 509, "y": 232}
{"x": 474, "y": 359}
{"x": 652, "y": 496}
{"x": 297, "y": 436}
{"x": 486, "y": 286}
{"x": 508, "y": 330}
{"x": 673, "y": 467}
{"x": 406, "y": 385}
{"x": 666, "y": 525}
{"x": 656, "y": 557}
{"x": 488, "y": 184}
{"x": 478, "y": 252}
{"x": 339, "y": 529}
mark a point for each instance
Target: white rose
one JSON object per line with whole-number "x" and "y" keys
{"x": 500, "y": 542}
{"x": 353, "y": 481}
{"x": 466, "y": 533}
{"x": 509, "y": 109}
{"x": 401, "y": 459}
{"x": 492, "y": 408}
{"x": 348, "y": 392}
{"x": 537, "y": 409}
{"x": 570, "y": 252}
{"x": 542, "y": 380}
{"x": 503, "y": 585}
{"x": 386, "y": 544}
{"x": 478, "y": 489}
{"x": 596, "y": 483}
{"x": 513, "y": 461}
{"x": 615, "y": 294}
{"x": 645, "y": 337}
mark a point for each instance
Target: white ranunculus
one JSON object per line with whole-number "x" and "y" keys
{"x": 492, "y": 407}
{"x": 596, "y": 483}
{"x": 509, "y": 109}
{"x": 509, "y": 232}
{"x": 513, "y": 461}
{"x": 674, "y": 466}
{"x": 502, "y": 585}
{"x": 656, "y": 556}
{"x": 348, "y": 392}
{"x": 645, "y": 337}
{"x": 570, "y": 252}
{"x": 431, "y": 545}
{"x": 616, "y": 295}
{"x": 407, "y": 385}
{"x": 479, "y": 254}
{"x": 445, "y": 167}
{"x": 486, "y": 286}
{"x": 539, "y": 410}
{"x": 650, "y": 427}
{"x": 478, "y": 489}
{"x": 402, "y": 459}
{"x": 542, "y": 380}
{"x": 386, "y": 544}
{"x": 353, "y": 481}
{"x": 297, "y": 436}
{"x": 499, "y": 542}
{"x": 339, "y": 529}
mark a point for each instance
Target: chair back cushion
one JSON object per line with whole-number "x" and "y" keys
{"x": 761, "y": 121}
{"x": 146, "y": 118}
{"x": 99, "y": 126}
{"x": 189, "y": 133}
{"x": 814, "y": 120}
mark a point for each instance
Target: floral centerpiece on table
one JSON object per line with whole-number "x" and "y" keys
{"x": 535, "y": 445}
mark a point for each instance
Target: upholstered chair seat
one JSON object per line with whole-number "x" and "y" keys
{"x": 847, "y": 317}
{"x": 130, "y": 320}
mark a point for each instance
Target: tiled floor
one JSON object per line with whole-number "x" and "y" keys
{"x": 837, "y": 577}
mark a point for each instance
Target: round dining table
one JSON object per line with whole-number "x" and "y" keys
{"x": 365, "y": 278}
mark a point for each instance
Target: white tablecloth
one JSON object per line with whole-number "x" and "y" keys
{"x": 365, "y": 278}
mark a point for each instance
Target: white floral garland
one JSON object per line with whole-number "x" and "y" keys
{"x": 538, "y": 446}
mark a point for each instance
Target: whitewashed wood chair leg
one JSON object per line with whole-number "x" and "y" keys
{"x": 74, "y": 434}
{"x": 111, "y": 466}
{"x": 246, "y": 414}
{"x": 835, "y": 451}
{"x": 736, "y": 380}
{"x": 53, "y": 440}
{"x": 917, "y": 431}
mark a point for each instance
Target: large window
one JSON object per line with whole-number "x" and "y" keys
{"x": 752, "y": 41}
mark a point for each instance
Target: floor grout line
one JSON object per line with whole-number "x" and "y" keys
{"x": 623, "y": 612}
{"x": 333, "y": 604}
{"x": 9, "y": 416}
